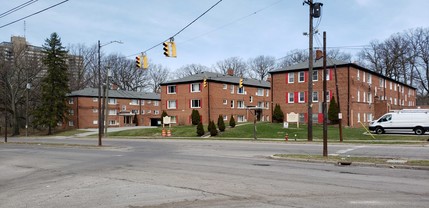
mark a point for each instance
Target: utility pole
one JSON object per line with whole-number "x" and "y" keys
{"x": 325, "y": 106}
{"x": 340, "y": 115}
{"x": 314, "y": 12}
{"x": 100, "y": 115}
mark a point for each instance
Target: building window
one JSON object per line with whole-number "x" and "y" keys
{"x": 315, "y": 96}
{"x": 123, "y": 108}
{"x": 94, "y": 99}
{"x": 232, "y": 103}
{"x": 142, "y": 112}
{"x": 315, "y": 75}
{"x": 240, "y": 104}
{"x": 225, "y": 101}
{"x": 71, "y": 112}
{"x": 112, "y": 112}
{"x": 156, "y": 112}
{"x": 328, "y": 74}
{"x": 267, "y": 105}
{"x": 171, "y": 104}
{"x": 225, "y": 86}
{"x": 195, "y": 104}
{"x": 291, "y": 97}
{"x": 251, "y": 99}
{"x": 240, "y": 90}
{"x": 380, "y": 81}
{"x": 195, "y": 87}
{"x": 225, "y": 117}
{"x": 369, "y": 117}
{"x": 173, "y": 119}
{"x": 112, "y": 101}
{"x": 241, "y": 118}
{"x": 142, "y": 102}
{"x": 171, "y": 89}
{"x": 358, "y": 117}
{"x": 134, "y": 102}
{"x": 148, "y": 111}
{"x": 363, "y": 80}
{"x": 260, "y": 104}
{"x": 232, "y": 89}
{"x": 113, "y": 122}
{"x": 95, "y": 110}
{"x": 301, "y": 97}
{"x": 71, "y": 123}
{"x": 71, "y": 100}
{"x": 135, "y": 112}
{"x": 301, "y": 76}
{"x": 95, "y": 122}
{"x": 369, "y": 97}
{"x": 260, "y": 92}
{"x": 291, "y": 77}
{"x": 156, "y": 103}
{"x": 369, "y": 78}
{"x": 358, "y": 96}
{"x": 358, "y": 75}
{"x": 395, "y": 86}
{"x": 268, "y": 93}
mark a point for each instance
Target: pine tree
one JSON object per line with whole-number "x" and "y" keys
{"x": 53, "y": 109}
{"x": 221, "y": 123}
{"x": 200, "y": 129}
{"x": 333, "y": 111}
{"x": 278, "y": 115}
{"x": 213, "y": 128}
{"x": 232, "y": 122}
{"x": 195, "y": 117}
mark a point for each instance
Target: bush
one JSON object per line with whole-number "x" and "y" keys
{"x": 195, "y": 117}
{"x": 333, "y": 111}
{"x": 212, "y": 128}
{"x": 221, "y": 123}
{"x": 200, "y": 129}
{"x": 163, "y": 114}
{"x": 278, "y": 115}
{"x": 232, "y": 122}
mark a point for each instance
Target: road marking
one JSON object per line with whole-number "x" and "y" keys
{"x": 348, "y": 150}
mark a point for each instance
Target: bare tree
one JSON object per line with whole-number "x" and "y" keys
{"x": 124, "y": 73}
{"x": 84, "y": 75}
{"x": 235, "y": 63}
{"x": 157, "y": 75}
{"x": 189, "y": 70}
{"x": 260, "y": 66}
{"x": 293, "y": 57}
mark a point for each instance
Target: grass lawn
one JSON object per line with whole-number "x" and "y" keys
{"x": 176, "y": 131}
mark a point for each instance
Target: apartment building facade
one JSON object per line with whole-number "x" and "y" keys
{"x": 124, "y": 108}
{"x": 214, "y": 94}
{"x": 364, "y": 95}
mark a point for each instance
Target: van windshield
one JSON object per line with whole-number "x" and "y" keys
{"x": 385, "y": 118}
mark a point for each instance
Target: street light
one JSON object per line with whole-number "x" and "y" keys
{"x": 100, "y": 111}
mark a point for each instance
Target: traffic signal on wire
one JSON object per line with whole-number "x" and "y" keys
{"x": 166, "y": 48}
{"x": 145, "y": 62}
{"x": 205, "y": 82}
{"x": 138, "y": 62}
{"x": 240, "y": 84}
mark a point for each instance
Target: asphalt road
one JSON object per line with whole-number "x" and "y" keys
{"x": 184, "y": 173}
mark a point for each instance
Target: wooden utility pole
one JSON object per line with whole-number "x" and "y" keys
{"x": 325, "y": 106}
{"x": 310, "y": 74}
{"x": 340, "y": 116}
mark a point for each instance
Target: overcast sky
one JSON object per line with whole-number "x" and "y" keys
{"x": 243, "y": 28}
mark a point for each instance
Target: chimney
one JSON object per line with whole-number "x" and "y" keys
{"x": 319, "y": 54}
{"x": 114, "y": 86}
{"x": 269, "y": 79}
{"x": 230, "y": 72}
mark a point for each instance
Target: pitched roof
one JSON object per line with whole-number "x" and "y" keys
{"x": 93, "y": 92}
{"x": 316, "y": 64}
{"x": 216, "y": 77}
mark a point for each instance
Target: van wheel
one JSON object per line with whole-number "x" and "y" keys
{"x": 419, "y": 131}
{"x": 379, "y": 130}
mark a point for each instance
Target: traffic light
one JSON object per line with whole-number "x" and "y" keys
{"x": 205, "y": 82}
{"x": 145, "y": 62}
{"x": 173, "y": 49}
{"x": 240, "y": 84}
{"x": 166, "y": 48}
{"x": 138, "y": 62}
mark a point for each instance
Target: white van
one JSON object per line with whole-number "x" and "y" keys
{"x": 416, "y": 120}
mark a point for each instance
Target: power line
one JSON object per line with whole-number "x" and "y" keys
{"x": 33, "y": 14}
{"x": 17, "y": 8}
{"x": 183, "y": 27}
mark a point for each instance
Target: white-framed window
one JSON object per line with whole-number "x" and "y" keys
{"x": 225, "y": 86}
{"x": 142, "y": 102}
{"x": 171, "y": 104}
{"x": 195, "y": 87}
{"x": 171, "y": 89}
{"x": 241, "y": 118}
{"x": 363, "y": 80}
{"x": 225, "y": 117}
{"x": 232, "y": 103}
{"x": 112, "y": 101}
{"x": 142, "y": 112}
{"x": 123, "y": 108}
{"x": 156, "y": 103}
{"x": 251, "y": 99}
{"x": 267, "y": 105}
{"x": 134, "y": 102}
{"x": 328, "y": 74}
{"x": 315, "y": 96}
{"x": 291, "y": 97}
{"x": 358, "y": 96}
{"x": 396, "y": 102}
{"x": 240, "y": 104}
{"x": 291, "y": 77}
{"x": 95, "y": 110}
{"x": 173, "y": 119}
{"x": 225, "y": 101}
{"x": 267, "y": 118}
{"x": 301, "y": 76}
{"x": 148, "y": 111}
{"x": 358, "y": 117}
{"x": 112, "y": 111}
{"x": 358, "y": 75}
{"x": 95, "y": 99}
{"x": 364, "y": 97}
{"x": 369, "y": 117}
{"x": 260, "y": 92}
{"x": 71, "y": 123}
{"x": 315, "y": 75}
{"x": 380, "y": 82}
{"x": 390, "y": 85}
{"x": 231, "y": 87}
{"x": 71, "y": 112}
{"x": 135, "y": 112}
{"x": 71, "y": 100}
{"x": 395, "y": 87}
{"x": 113, "y": 122}
{"x": 195, "y": 103}
{"x": 267, "y": 92}
{"x": 369, "y": 78}
{"x": 95, "y": 122}
{"x": 364, "y": 117}
{"x": 369, "y": 97}
{"x": 260, "y": 104}
{"x": 240, "y": 90}
{"x": 156, "y": 112}
{"x": 301, "y": 96}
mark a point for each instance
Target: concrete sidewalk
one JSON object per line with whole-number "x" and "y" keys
{"x": 94, "y": 131}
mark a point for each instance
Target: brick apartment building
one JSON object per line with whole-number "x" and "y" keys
{"x": 221, "y": 96}
{"x": 364, "y": 95}
{"x": 124, "y": 108}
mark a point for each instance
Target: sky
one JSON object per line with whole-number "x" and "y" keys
{"x": 233, "y": 28}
